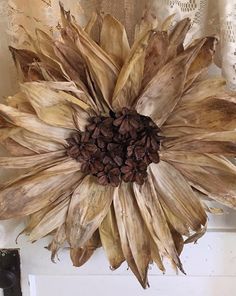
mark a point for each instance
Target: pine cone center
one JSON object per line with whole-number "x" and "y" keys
{"x": 116, "y": 148}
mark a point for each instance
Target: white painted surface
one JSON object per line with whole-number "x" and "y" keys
{"x": 125, "y": 285}
{"x": 209, "y": 263}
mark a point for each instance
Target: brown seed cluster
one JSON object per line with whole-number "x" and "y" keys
{"x": 117, "y": 148}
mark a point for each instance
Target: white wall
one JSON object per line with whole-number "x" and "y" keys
{"x": 210, "y": 267}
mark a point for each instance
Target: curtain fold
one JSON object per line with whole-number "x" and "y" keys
{"x": 216, "y": 17}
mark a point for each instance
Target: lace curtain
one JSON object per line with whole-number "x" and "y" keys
{"x": 216, "y": 17}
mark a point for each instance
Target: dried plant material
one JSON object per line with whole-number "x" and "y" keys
{"x": 88, "y": 207}
{"x": 196, "y": 236}
{"x": 15, "y": 149}
{"x": 30, "y": 161}
{"x": 52, "y": 107}
{"x": 110, "y": 239}
{"x": 32, "y": 198}
{"x": 23, "y": 59}
{"x": 130, "y": 78}
{"x": 31, "y": 123}
{"x": 35, "y": 142}
{"x": 80, "y": 256}
{"x": 89, "y": 26}
{"x": 210, "y": 174}
{"x": 155, "y": 220}
{"x": 114, "y": 40}
{"x": 51, "y": 221}
{"x": 156, "y": 55}
{"x": 187, "y": 206}
{"x": 164, "y": 91}
{"x": 177, "y": 36}
{"x": 115, "y": 145}
{"x": 133, "y": 234}
{"x": 102, "y": 68}
{"x": 57, "y": 242}
{"x": 166, "y": 25}
{"x": 202, "y": 61}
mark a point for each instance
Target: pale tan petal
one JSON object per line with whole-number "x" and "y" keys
{"x": 20, "y": 102}
{"x": 155, "y": 220}
{"x": 202, "y": 61}
{"x": 155, "y": 255}
{"x": 156, "y": 56}
{"x": 102, "y": 68}
{"x": 15, "y": 149}
{"x": 31, "y": 161}
{"x": 222, "y": 143}
{"x": 110, "y": 239}
{"x": 213, "y": 175}
{"x": 51, "y": 221}
{"x": 72, "y": 63}
{"x": 177, "y": 37}
{"x": 70, "y": 88}
{"x": 80, "y": 256}
{"x": 35, "y": 218}
{"x": 180, "y": 199}
{"x": 8, "y": 132}
{"x": 130, "y": 78}
{"x": 30, "y": 194}
{"x": 31, "y": 123}
{"x": 164, "y": 91}
{"x": 202, "y": 89}
{"x": 23, "y": 58}
{"x": 44, "y": 43}
{"x": 113, "y": 39}
{"x": 53, "y": 107}
{"x": 134, "y": 236}
{"x": 196, "y": 236}
{"x": 167, "y": 23}
{"x": 89, "y": 205}
{"x": 148, "y": 22}
{"x": 57, "y": 242}
{"x": 213, "y": 114}
{"x": 90, "y": 25}
{"x": 35, "y": 142}
{"x": 177, "y": 223}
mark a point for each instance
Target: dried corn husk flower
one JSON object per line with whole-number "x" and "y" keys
{"x": 114, "y": 139}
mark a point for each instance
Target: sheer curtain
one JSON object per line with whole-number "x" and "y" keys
{"x": 216, "y": 17}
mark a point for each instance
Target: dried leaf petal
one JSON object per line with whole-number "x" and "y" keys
{"x": 111, "y": 240}
{"x": 177, "y": 37}
{"x": 51, "y": 221}
{"x": 58, "y": 241}
{"x": 180, "y": 199}
{"x": 35, "y": 142}
{"x": 30, "y": 161}
{"x": 31, "y": 194}
{"x": 212, "y": 114}
{"x": 51, "y": 106}
{"x": 32, "y": 123}
{"x": 81, "y": 255}
{"x": 210, "y": 174}
{"x": 164, "y": 91}
{"x": 133, "y": 234}
{"x": 156, "y": 56}
{"x": 155, "y": 220}
{"x": 114, "y": 40}
{"x": 102, "y": 68}
{"x": 89, "y": 205}
{"x": 130, "y": 78}
{"x": 202, "y": 61}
